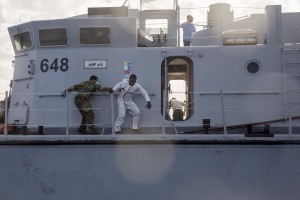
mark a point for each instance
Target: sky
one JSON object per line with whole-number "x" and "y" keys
{"x": 13, "y": 12}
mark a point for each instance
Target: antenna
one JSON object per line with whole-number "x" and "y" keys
{"x": 124, "y": 2}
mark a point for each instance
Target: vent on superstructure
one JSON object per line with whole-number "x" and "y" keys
{"x": 219, "y": 14}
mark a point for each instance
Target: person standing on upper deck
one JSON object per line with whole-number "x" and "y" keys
{"x": 188, "y": 29}
{"x": 127, "y": 90}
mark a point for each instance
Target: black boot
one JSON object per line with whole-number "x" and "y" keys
{"x": 82, "y": 129}
{"x": 90, "y": 130}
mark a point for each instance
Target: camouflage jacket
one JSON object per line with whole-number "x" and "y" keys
{"x": 87, "y": 88}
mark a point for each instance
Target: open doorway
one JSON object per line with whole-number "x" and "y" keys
{"x": 179, "y": 80}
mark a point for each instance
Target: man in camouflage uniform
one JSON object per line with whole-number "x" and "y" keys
{"x": 85, "y": 91}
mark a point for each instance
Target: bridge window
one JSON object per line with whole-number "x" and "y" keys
{"x": 95, "y": 35}
{"x": 22, "y": 41}
{"x": 53, "y": 37}
{"x": 156, "y": 26}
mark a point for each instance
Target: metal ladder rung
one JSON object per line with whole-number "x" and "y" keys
{"x": 288, "y": 61}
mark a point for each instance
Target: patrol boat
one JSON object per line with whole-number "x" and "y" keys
{"x": 239, "y": 79}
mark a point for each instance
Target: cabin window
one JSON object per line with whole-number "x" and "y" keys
{"x": 53, "y": 37}
{"x": 179, "y": 88}
{"x": 22, "y": 41}
{"x": 95, "y": 35}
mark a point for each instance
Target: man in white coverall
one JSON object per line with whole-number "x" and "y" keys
{"x": 125, "y": 103}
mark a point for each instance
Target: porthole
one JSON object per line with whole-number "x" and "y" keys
{"x": 253, "y": 66}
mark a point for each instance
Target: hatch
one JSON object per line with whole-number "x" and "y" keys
{"x": 19, "y": 113}
{"x": 179, "y": 87}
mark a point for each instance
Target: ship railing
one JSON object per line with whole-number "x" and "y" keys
{"x": 292, "y": 104}
{"x": 289, "y": 119}
{"x": 289, "y": 108}
{"x": 201, "y": 22}
{"x": 66, "y": 110}
{"x": 221, "y": 107}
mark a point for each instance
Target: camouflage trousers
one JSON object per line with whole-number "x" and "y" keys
{"x": 86, "y": 111}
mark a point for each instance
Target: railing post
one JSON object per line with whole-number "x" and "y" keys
{"x": 223, "y": 112}
{"x": 67, "y": 113}
{"x": 164, "y": 53}
{"x": 112, "y": 115}
{"x": 178, "y": 26}
{"x": 5, "y": 113}
{"x": 290, "y": 112}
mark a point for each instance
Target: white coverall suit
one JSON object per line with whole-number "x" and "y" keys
{"x": 125, "y": 103}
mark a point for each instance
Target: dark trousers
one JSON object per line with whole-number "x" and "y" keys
{"x": 177, "y": 115}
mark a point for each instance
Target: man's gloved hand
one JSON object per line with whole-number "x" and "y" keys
{"x": 63, "y": 94}
{"x": 111, "y": 90}
{"x": 148, "y": 105}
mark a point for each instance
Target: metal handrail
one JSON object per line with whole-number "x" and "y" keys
{"x": 221, "y": 93}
